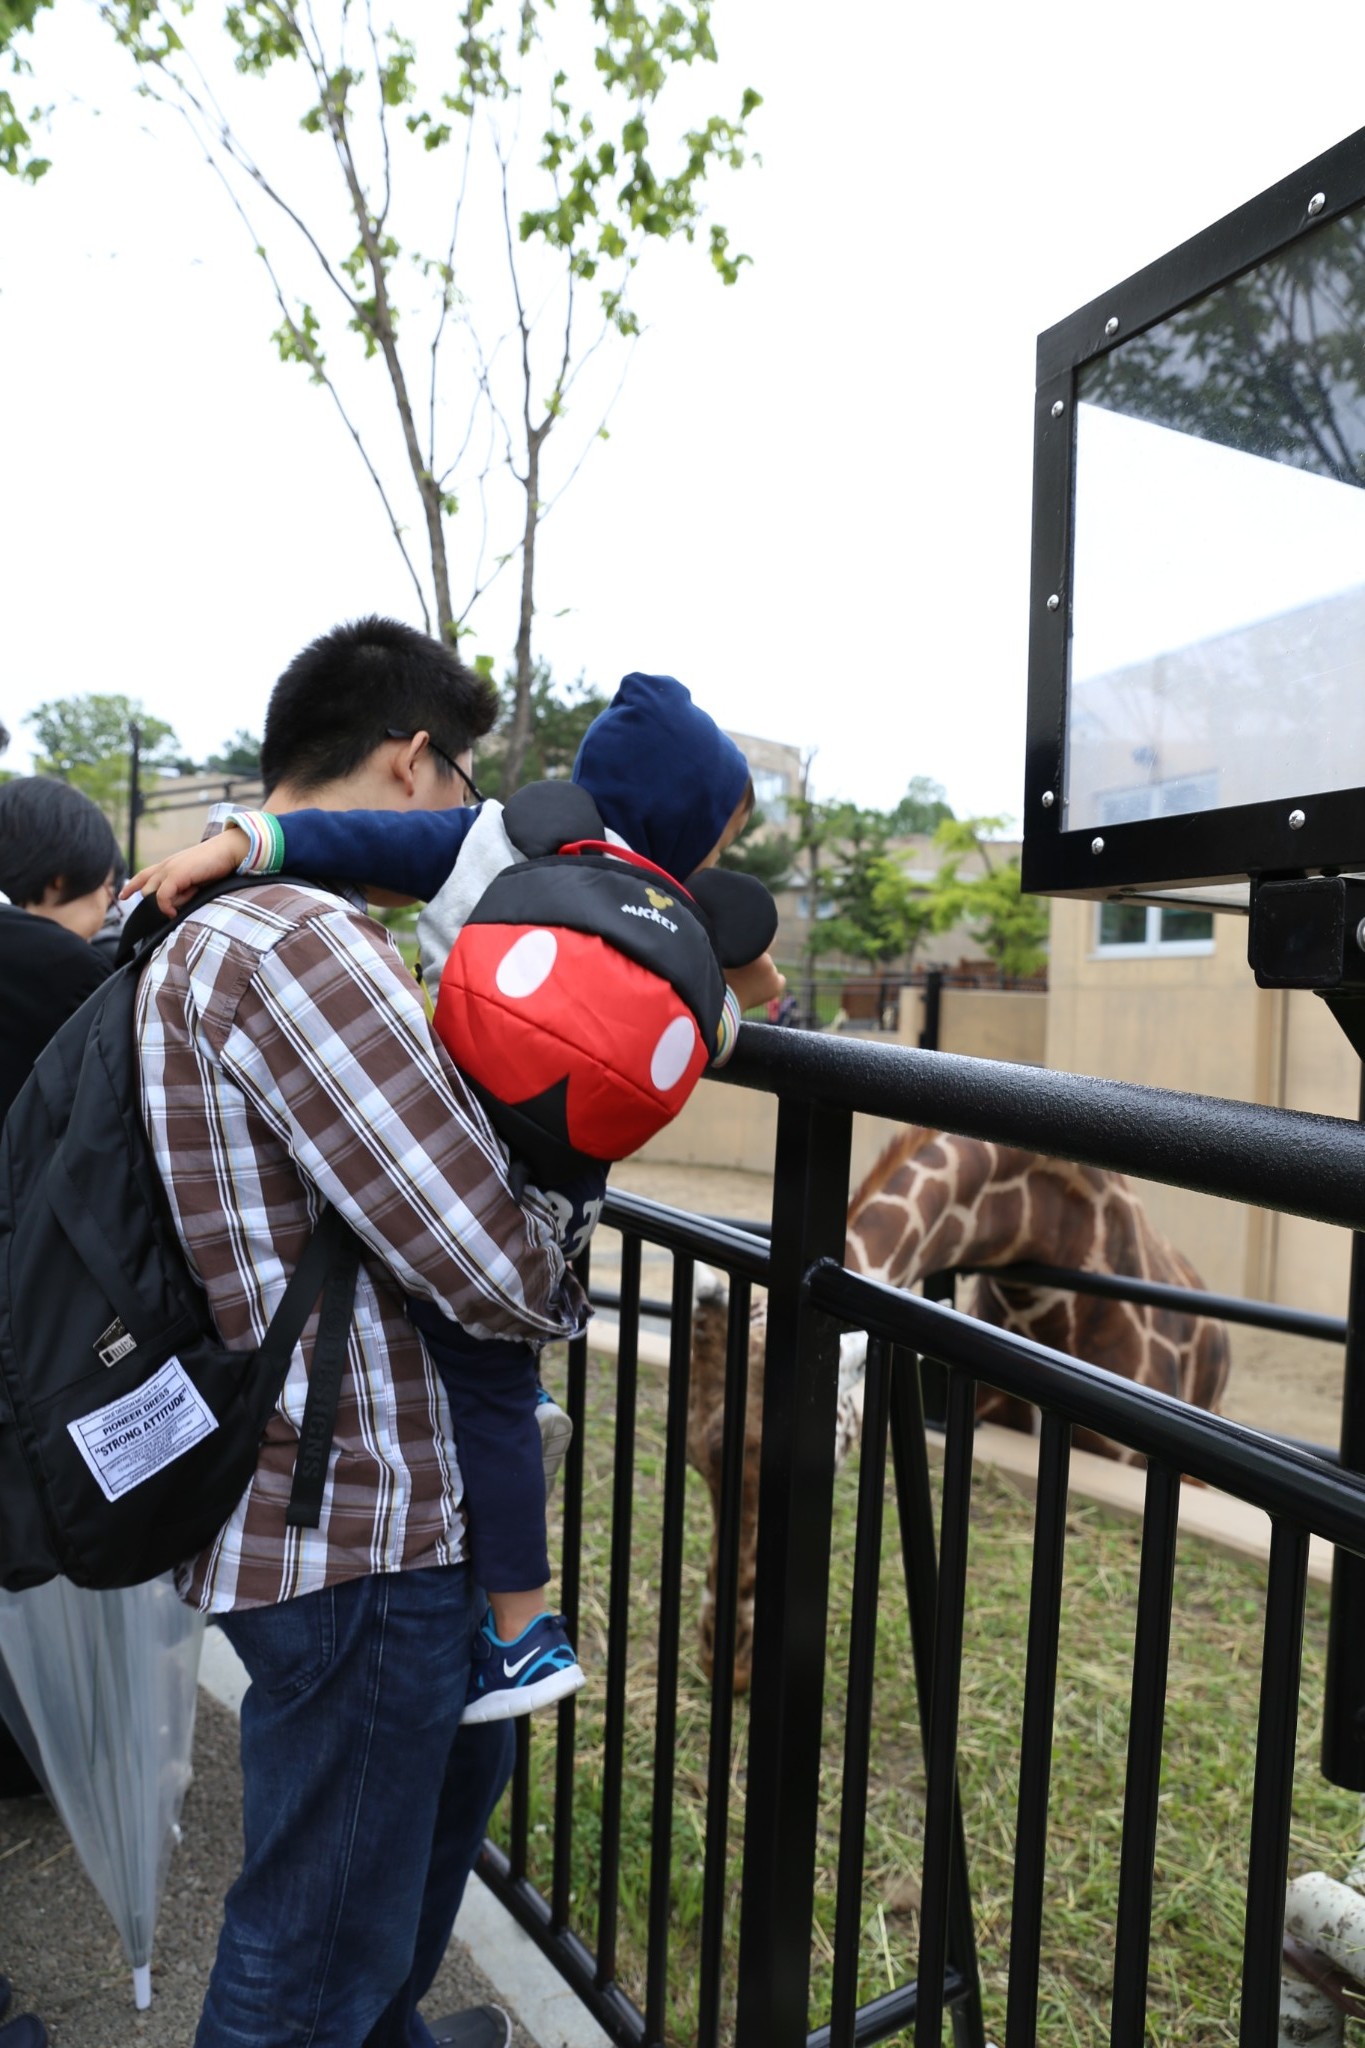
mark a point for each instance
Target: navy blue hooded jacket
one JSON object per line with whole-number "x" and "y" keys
{"x": 661, "y": 772}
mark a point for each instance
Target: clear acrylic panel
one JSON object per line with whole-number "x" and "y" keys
{"x": 1218, "y": 594}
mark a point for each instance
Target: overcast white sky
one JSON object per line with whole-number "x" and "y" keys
{"x": 814, "y": 507}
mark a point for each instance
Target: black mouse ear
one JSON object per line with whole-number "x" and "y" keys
{"x": 742, "y": 913}
{"x": 543, "y": 816}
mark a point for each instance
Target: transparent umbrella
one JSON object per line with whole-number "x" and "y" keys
{"x": 100, "y": 1690}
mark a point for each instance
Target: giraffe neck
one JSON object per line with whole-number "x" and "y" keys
{"x": 934, "y": 1201}
{"x": 942, "y": 1201}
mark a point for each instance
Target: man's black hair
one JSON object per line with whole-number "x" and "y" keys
{"x": 339, "y": 698}
{"x": 51, "y": 833}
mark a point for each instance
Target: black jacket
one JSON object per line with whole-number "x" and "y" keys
{"x": 46, "y": 973}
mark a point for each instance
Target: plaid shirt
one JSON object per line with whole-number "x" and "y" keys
{"x": 287, "y": 1061}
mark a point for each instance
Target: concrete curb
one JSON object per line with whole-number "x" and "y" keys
{"x": 1229, "y": 1525}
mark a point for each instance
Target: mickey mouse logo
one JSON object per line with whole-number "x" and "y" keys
{"x": 653, "y": 908}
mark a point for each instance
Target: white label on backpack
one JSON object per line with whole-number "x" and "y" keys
{"x": 133, "y": 1438}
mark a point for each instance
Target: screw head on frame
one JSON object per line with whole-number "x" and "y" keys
{"x": 1097, "y": 844}
{"x": 1317, "y": 202}
{"x": 1049, "y": 800}
{"x": 1111, "y": 325}
{"x": 1297, "y": 821}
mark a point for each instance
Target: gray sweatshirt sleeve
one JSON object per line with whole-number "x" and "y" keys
{"x": 485, "y": 853}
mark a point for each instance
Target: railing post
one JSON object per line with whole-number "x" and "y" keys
{"x": 796, "y": 1487}
{"x": 933, "y": 1010}
{"x": 1343, "y": 1718}
{"x": 135, "y": 798}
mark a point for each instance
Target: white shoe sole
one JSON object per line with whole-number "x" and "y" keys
{"x": 556, "y": 1434}
{"x": 508, "y": 1703}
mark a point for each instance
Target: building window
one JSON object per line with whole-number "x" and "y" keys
{"x": 827, "y": 907}
{"x": 770, "y": 793}
{"x": 1126, "y": 929}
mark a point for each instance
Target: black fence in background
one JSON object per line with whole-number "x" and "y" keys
{"x": 1312, "y": 1166}
{"x": 857, "y": 999}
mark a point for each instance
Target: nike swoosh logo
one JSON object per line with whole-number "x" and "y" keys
{"x": 511, "y": 1670}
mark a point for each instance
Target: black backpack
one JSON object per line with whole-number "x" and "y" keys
{"x": 128, "y": 1430}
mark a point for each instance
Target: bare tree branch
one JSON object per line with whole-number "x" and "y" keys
{"x": 383, "y": 212}
{"x": 318, "y": 367}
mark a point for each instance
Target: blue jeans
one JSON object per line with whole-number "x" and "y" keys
{"x": 364, "y": 1804}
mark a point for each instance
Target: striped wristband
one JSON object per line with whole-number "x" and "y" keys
{"x": 265, "y": 842}
{"x": 727, "y": 1031}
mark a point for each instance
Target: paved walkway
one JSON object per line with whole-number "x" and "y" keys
{"x": 58, "y": 1944}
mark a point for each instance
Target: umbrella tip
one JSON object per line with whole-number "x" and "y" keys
{"x": 142, "y": 1986}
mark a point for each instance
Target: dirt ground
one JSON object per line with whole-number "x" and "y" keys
{"x": 1283, "y": 1385}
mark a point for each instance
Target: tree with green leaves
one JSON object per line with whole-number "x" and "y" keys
{"x": 546, "y": 127}
{"x": 1272, "y": 363}
{"x": 879, "y": 912}
{"x": 560, "y": 714}
{"x": 923, "y": 808}
{"x": 87, "y": 741}
{"x": 1010, "y": 926}
{"x": 768, "y": 856}
{"x": 17, "y": 157}
{"x": 239, "y": 755}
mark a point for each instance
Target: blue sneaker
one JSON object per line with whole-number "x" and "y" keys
{"x": 507, "y": 1679}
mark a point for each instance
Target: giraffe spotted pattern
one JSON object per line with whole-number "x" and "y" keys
{"x": 932, "y": 1202}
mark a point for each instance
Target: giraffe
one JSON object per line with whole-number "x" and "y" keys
{"x": 931, "y": 1202}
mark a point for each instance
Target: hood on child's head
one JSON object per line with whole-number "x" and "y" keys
{"x": 661, "y": 772}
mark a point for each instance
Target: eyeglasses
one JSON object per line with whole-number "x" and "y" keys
{"x": 392, "y": 733}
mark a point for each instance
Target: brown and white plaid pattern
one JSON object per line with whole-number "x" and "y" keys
{"x": 286, "y": 1061}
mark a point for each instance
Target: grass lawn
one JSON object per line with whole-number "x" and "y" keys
{"x": 1208, "y": 1762}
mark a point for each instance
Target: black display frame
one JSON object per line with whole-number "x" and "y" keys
{"x": 1239, "y": 843}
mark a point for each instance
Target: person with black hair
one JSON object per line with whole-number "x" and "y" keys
{"x": 57, "y": 859}
{"x": 361, "y": 683}
{"x": 287, "y": 1062}
{"x": 57, "y": 865}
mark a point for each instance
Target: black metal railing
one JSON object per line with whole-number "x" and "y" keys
{"x": 1312, "y": 1166}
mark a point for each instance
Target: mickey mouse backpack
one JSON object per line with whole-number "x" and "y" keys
{"x": 582, "y": 997}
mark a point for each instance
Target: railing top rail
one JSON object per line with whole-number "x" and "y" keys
{"x": 1194, "y": 1301}
{"x": 1271, "y": 1475}
{"x": 738, "y": 1250}
{"x": 1281, "y": 1159}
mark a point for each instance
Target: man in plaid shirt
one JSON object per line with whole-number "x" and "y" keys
{"x": 287, "y": 1063}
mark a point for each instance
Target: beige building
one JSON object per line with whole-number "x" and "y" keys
{"x": 1167, "y": 998}
{"x": 1158, "y": 997}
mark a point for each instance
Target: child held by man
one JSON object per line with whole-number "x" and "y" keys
{"x": 670, "y": 788}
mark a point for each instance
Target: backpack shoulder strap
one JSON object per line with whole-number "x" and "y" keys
{"x": 335, "y": 1248}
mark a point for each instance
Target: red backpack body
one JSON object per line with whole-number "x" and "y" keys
{"x": 583, "y": 996}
